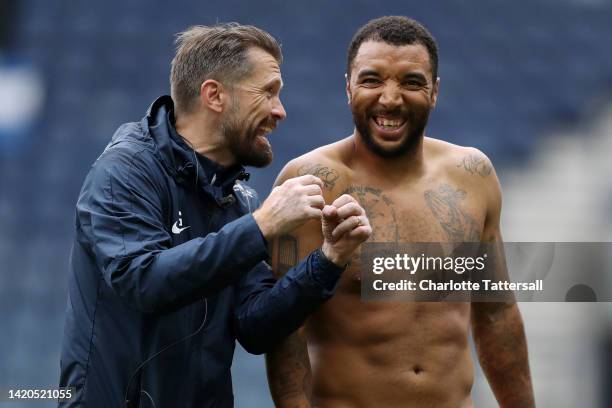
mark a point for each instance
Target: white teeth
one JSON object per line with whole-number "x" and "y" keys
{"x": 388, "y": 123}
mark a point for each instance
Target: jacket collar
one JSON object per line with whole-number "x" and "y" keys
{"x": 186, "y": 165}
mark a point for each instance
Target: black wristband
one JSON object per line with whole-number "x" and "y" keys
{"x": 326, "y": 262}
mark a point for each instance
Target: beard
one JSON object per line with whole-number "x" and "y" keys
{"x": 416, "y": 120}
{"x": 243, "y": 142}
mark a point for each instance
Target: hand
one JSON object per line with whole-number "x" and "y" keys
{"x": 290, "y": 205}
{"x": 345, "y": 227}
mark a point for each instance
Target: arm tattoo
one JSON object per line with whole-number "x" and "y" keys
{"x": 502, "y": 350}
{"x": 289, "y": 370}
{"x": 289, "y": 374}
{"x": 328, "y": 175}
{"x": 458, "y": 224}
{"x": 476, "y": 164}
{"x": 287, "y": 255}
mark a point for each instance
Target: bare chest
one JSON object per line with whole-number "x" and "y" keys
{"x": 424, "y": 212}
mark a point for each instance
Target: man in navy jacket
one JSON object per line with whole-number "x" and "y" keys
{"x": 168, "y": 266}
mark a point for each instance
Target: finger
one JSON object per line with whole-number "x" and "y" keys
{"x": 313, "y": 189}
{"x": 316, "y": 201}
{"x": 313, "y": 213}
{"x": 361, "y": 233}
{"x": 346, "y": 226}
{"x": 330, "y": 211}
{"x": 343, "y": 199}
{"x": 309, "y": 179}
{"x": 349, "y": 209}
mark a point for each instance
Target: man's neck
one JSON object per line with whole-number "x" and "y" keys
{"x": 409, "y": 164}
{"x": 204, "y": 137}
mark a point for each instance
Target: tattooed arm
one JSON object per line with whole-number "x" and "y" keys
{"x": 288, "y": 367}
{"x": 289, "y": 374}
{"x": 498, "y": 327}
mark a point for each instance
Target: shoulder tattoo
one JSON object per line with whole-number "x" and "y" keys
{"x": 328, "y": 175}
{"x": 476, "y": 164}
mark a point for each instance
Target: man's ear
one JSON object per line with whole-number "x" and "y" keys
{"x": 348, "y": 88}
{"x": 213, "y": 95}
{"x": 434, "y": 92}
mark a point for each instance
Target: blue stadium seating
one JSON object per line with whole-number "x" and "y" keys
{"x": 509, "y": 70}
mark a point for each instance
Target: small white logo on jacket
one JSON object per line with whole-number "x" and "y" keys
{"x": 246, "y": 193}
{"x": 177, "y": 227}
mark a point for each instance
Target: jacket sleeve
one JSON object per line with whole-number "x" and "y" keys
{"x": 268, "y": 310}
{"x": 120, "y": 219}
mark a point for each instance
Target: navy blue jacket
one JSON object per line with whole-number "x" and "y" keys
{"x": 167, "y": 257}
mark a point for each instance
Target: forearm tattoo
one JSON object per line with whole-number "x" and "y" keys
{"x": 502, "y": 350}
{"x": 290, "y": 373}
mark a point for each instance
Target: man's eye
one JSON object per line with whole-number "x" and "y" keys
{"x": 370, "y": 81}
{"x": 413, "y": 84}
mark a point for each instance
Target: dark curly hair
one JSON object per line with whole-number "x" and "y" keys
{"x": 394, "y": 30}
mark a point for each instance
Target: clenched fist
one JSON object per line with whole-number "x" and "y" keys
{"x": 345, "y": 227}
{"x": 290, "y": 205}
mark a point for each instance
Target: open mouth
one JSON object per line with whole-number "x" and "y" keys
{"x": 265, "y": 127}
{"x": 262, "y": 133}
{"x": 389, "y": 127}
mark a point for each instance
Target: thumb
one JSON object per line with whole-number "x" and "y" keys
{"x": 330, "y": 212}
{"x": 329, "y": 221}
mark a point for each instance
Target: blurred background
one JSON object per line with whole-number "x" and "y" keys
{"x": 527, "y": 82}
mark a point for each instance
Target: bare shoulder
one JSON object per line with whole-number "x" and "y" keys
{"x": 467, "y": 166}
{"x": 467, "y": 159}
{"x": 326, "y": 162}
{"x": 461, "y": 161}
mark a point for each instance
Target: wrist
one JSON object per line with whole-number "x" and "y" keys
{"x": 265, "y": 227}
{"x": 333, "y": 257}
{"x": 324, "y": 273}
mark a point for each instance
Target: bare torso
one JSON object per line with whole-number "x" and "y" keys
{"x": 395, "y": 354}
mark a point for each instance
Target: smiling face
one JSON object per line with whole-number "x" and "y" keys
{"x": 255, "y": 109}
{"x": 391, "y": 92}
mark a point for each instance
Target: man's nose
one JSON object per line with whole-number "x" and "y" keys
{"x": 391, "y": 96}
{"x": 278, "y": 111}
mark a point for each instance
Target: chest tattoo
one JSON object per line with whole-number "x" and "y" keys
{"x": 380, "y": 210}
{"x": 457, "y": 223}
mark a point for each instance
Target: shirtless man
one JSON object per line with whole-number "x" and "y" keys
{"x": 414, "y": 189}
